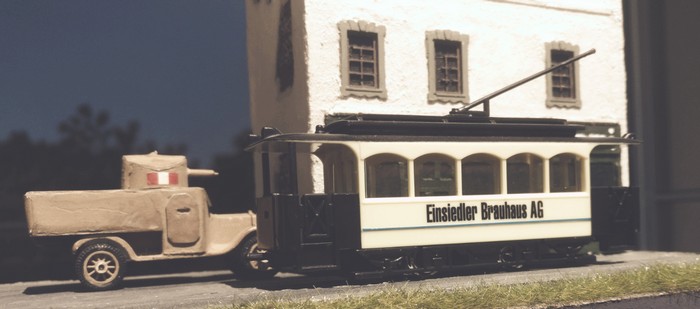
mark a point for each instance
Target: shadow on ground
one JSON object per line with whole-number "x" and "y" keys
{"x": 146, "y": 274}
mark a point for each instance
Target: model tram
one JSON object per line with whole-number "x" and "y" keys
{"x": 413, "y": 193}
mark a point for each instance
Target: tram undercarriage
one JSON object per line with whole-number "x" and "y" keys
{"x": 473, "y": 257}
{"x": 430, "y": 260}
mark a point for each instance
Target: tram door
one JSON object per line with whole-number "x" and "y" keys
{"x": 325, "y": 216}
{"x": 317, "y": 230}
{"x": 299, "y": 224}
{"x": 615, "y": 209}
{"x": 276, "y": 207}
{"x": 615, "y": 213}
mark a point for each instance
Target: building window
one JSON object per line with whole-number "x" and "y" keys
{"x": 435, "y": 175}
{"x": 481, "y": 174}
{"x": 448, "y": 63}
{"x": 386, "y": 175}
{"x": 284, "y": 72}
{"x": 562, "y": 83}
{"x": 362, "y": 50}
{"x": 563, "y": 80}
{"x": 447, "y": 66}
{"x": 362, "y": 59}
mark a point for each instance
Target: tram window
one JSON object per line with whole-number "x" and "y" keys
{"x": 481, "y": 174}
{"x": 525, "y": 174}
{"x": 565, "y": 173}
{"x": 434, "y": 175}
{"x": 386, "y": 176}
{"x": 605, "y": 166}
{"x": 280, "y": 173}
{"x": 339, "y": 168}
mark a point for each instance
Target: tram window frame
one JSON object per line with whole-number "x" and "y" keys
{"x": 437, "y": 177}
{"x": 566, "y": 173}
{"x": 378, "y": 186}
{"x": 339, "y": 168}
{"x": 525, "y": 175}
{"x": 605, "y": 166}
{"x": 474, "y": 179}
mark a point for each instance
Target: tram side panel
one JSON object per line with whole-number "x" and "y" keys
{"x": 401, "y": 222}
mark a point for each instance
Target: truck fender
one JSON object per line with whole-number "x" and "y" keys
{"x": 241, "y": 236}
{"x": 244, "y": 234}
{"x": 238, "y": 239}
{"x": 118, "y": 240}
{"x": 235, "y": 241}
{"x": 225, "y": 232}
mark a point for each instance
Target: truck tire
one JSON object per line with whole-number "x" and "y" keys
{"x": 100, "y": 265}
{"x": 246, "y": 269}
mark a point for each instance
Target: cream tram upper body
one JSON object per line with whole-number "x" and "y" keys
{"x": 431, "y": 189}
{"x": 532, "y": 203}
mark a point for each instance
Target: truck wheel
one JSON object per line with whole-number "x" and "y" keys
{"x": 246, "y": 269}
{"x": 100, "y": 265}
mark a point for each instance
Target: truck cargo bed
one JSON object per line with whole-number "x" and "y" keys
{"x": 58, "y": 213}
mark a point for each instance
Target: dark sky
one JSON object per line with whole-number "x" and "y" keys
{"x": 178, "y": 67}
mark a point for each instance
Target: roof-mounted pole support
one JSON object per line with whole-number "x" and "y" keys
{"x": 485, "y": 99}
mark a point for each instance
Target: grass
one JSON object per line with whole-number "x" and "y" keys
{"x": 643, "y": 281}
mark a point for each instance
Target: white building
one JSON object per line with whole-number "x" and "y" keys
{"x": 309, "y": 59}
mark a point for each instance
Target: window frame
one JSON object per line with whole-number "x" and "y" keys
{"x": 495, "y": 165}
{"x": 419, "y": 180}
{"x": 340, "y": 168}
{"x": 372, "y": 179}
{"x": 450, "y": 36}
{"x": 560, "y": 102}
{"x": 536, "y": 174}
{"x": 347, "y": 90}
{"x": 562, "y": 173}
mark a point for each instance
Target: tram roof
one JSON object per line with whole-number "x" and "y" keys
{"x": 449, "y": 128}
{"x": 451, "y": 125}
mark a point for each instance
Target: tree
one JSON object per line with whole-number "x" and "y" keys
{"x": 233, "y": 190}
{"x": 86, "y": 157}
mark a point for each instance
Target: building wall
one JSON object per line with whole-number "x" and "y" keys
{"x": 270, "y": 105}
{"x": 286, "y": 109}
{"x": 664, "y": 76}
{"x": 506, "y": 43}
{"x": 682, "y": 63}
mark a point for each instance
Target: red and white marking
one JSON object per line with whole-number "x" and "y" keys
{"x": 161, "y": 178}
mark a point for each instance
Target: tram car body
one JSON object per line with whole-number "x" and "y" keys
{"x": 408, "y": 194}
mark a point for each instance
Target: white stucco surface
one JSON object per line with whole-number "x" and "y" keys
{"x": 506, "y": 43}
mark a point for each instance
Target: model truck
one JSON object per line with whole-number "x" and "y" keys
{"x": 154, "y": 216}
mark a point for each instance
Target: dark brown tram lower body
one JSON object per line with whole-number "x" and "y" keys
{"x": 321, "y": 232}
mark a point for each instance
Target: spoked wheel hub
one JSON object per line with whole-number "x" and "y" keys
{"x": 100, "y": 265}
